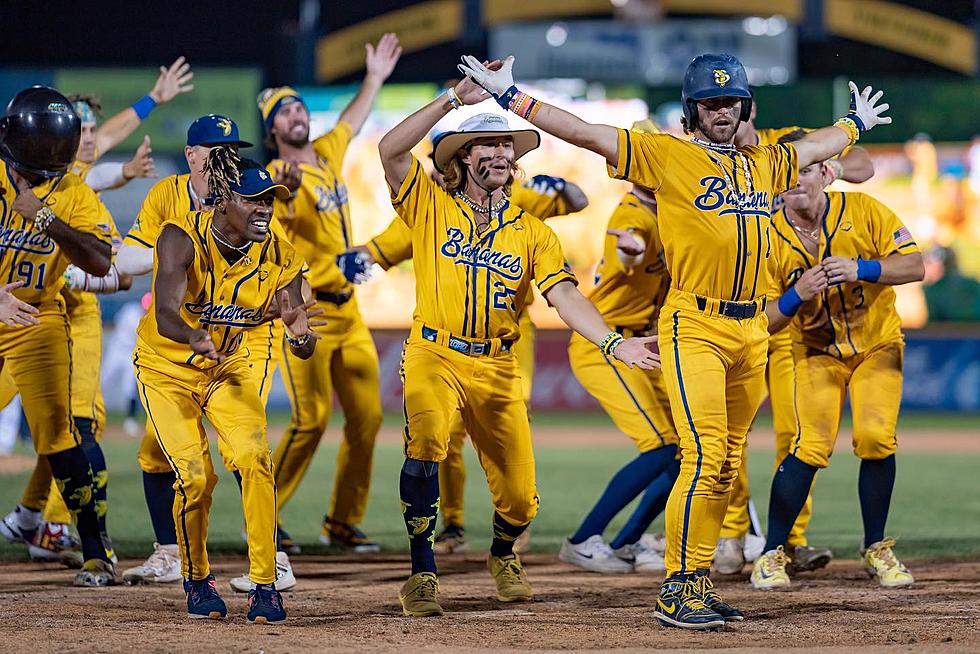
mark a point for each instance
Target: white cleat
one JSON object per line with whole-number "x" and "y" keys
{"x": 641, "y": 557}
{"x": 20, "y": 525}
{"x": 595, "y": 555}
{"x": 655, "y": 542}
{"x": 729, "y": 556}
{"x": 161, "y": 567}
{"x": 284, "y": 576}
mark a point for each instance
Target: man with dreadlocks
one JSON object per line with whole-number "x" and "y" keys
{"x": 216, "y": 274}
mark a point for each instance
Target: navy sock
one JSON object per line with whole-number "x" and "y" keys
{"x": 504, "y": 535}
{"x": 622, "y": 489}
{"x": 100, "y": 474}
{"x": 875, "y": 483}
{"x": 790, "y": 486}
{"x": 73, "y": 475}
{"x": 652, "y": 504}
{"x": 158, "y": 488}
{"x": 419, "y": 491}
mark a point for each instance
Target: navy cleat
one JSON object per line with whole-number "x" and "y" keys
{"x": 265, "y": 605}
{"x": 713, "y": 600}
{"x": 203, "y": 600}
{"x": 680, "y": 605}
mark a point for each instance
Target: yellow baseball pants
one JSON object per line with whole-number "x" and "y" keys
{"x": 487, "y": 392}
{"x": 346, "y": 362}
{"x": 176, "y": 398}
{"x": 714, "y": 368}
{"x": 874, "y": 380}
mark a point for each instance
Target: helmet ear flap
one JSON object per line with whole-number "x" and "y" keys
{"x": 746, "y": 110}
{"x": 690, "y": 114}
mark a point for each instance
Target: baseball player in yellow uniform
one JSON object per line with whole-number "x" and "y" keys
{"x": 631, "y": 284}
{"x": 216, "y": 274}
{"x": 51, "y": 540}
{"x": 171, "y": 199}
{"x": 542, "y": 196}
{"x": 316, "y": 220}
{"x": 51, "y": 218}
{"x": 837, "y": 255}
{"x": 713, "y": 209}
{"x": 475, "y": 256}
{"x": 736, "y": 544}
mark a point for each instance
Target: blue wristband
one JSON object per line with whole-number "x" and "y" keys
{"x": 790, "y": 302}
{"x": 504, "y": 98}
{"x": 144, "y": 106}
{"x": 869, "y": 270}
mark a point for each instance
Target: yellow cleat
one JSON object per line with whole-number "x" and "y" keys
{"x": 881, "y": 562}
{"x": 418, "y": 596}
{"x": 512, "y": 583}
{"x": 769, "y": 572}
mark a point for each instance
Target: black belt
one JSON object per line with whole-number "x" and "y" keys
{"x": 465, "y": 346}
{"x": 339, "y": 299}
{"x": 736, "y": 310}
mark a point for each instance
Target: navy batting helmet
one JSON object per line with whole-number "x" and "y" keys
{"x": 39, "y": 132}
{"x": 714, "y": 76}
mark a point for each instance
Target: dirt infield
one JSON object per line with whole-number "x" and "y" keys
{"x": 346, "y": 603}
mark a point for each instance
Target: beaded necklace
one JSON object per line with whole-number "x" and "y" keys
{"x": 737, "y": 156}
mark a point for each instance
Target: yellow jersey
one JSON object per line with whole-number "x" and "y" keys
{"x": 853, "y": 317}
{"x": 771, "y": 135}
{"x": 394, "y": 245}
{"x": 631, "y": 296}
{"x": 468, "y": 284}
{"x": 34, "y": 257}
{"x": 169, "y": 200}
{"x": 317, "y": 220}
{"x": 713, "y": 214}
{"x": 224, "y": 299}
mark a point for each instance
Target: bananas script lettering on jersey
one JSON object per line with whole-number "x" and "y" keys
{"x": 715, "y": 196}
{"x": 505, "y": 264}
{"x": 26, "y": 240}
{"x": 224, "y": 314}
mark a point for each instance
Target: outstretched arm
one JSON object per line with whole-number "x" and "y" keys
{"x": 380, "y": 63}
{"x": 601, "y": 139}
{"x": 580, "y": 314}
{"x": 172, "y": 82}
{"x": 824, "y": 143}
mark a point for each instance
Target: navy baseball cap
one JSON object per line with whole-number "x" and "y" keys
{"x": 253, "y": 182}
{"x": 214, "y": 129}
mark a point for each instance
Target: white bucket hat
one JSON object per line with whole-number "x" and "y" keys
{"x": 482, "y": 126}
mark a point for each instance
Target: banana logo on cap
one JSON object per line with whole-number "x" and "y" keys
{"x": 721, "y": 76}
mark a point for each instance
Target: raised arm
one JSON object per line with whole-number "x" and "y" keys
{"x": 824, "y": 143}
{"x": 396, "y": 146}
{"x": 601, "y": 139}
{"x": 172, "y": 82}
{"x": 380, "y": 62}
{"x": 856, "y": 166}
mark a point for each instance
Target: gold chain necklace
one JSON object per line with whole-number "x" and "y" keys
{"x": 243, "y": 250}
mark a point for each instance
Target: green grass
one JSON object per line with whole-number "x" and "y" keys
{"x": 935, "y": 509}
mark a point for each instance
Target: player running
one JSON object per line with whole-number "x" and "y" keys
{"x": 316, "y": 220}
{"x": 846, "y": 337}
{"x": 51, "y": 218}
{"x": 216, "y": 274}
{"x": 476, "y": 255}
{"x": 713, "y": 210}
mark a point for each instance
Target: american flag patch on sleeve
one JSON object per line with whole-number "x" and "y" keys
{"x": 902, "y": 236}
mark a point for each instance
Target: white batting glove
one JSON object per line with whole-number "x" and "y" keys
{"x": 864, "y": 110}
{"x": 75, "y": 278}
{"x": 497, "y": 82}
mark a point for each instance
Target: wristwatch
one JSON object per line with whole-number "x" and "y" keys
{"x": 43, "y": 218}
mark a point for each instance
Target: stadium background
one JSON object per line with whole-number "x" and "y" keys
{"x": 609, "y": 60}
